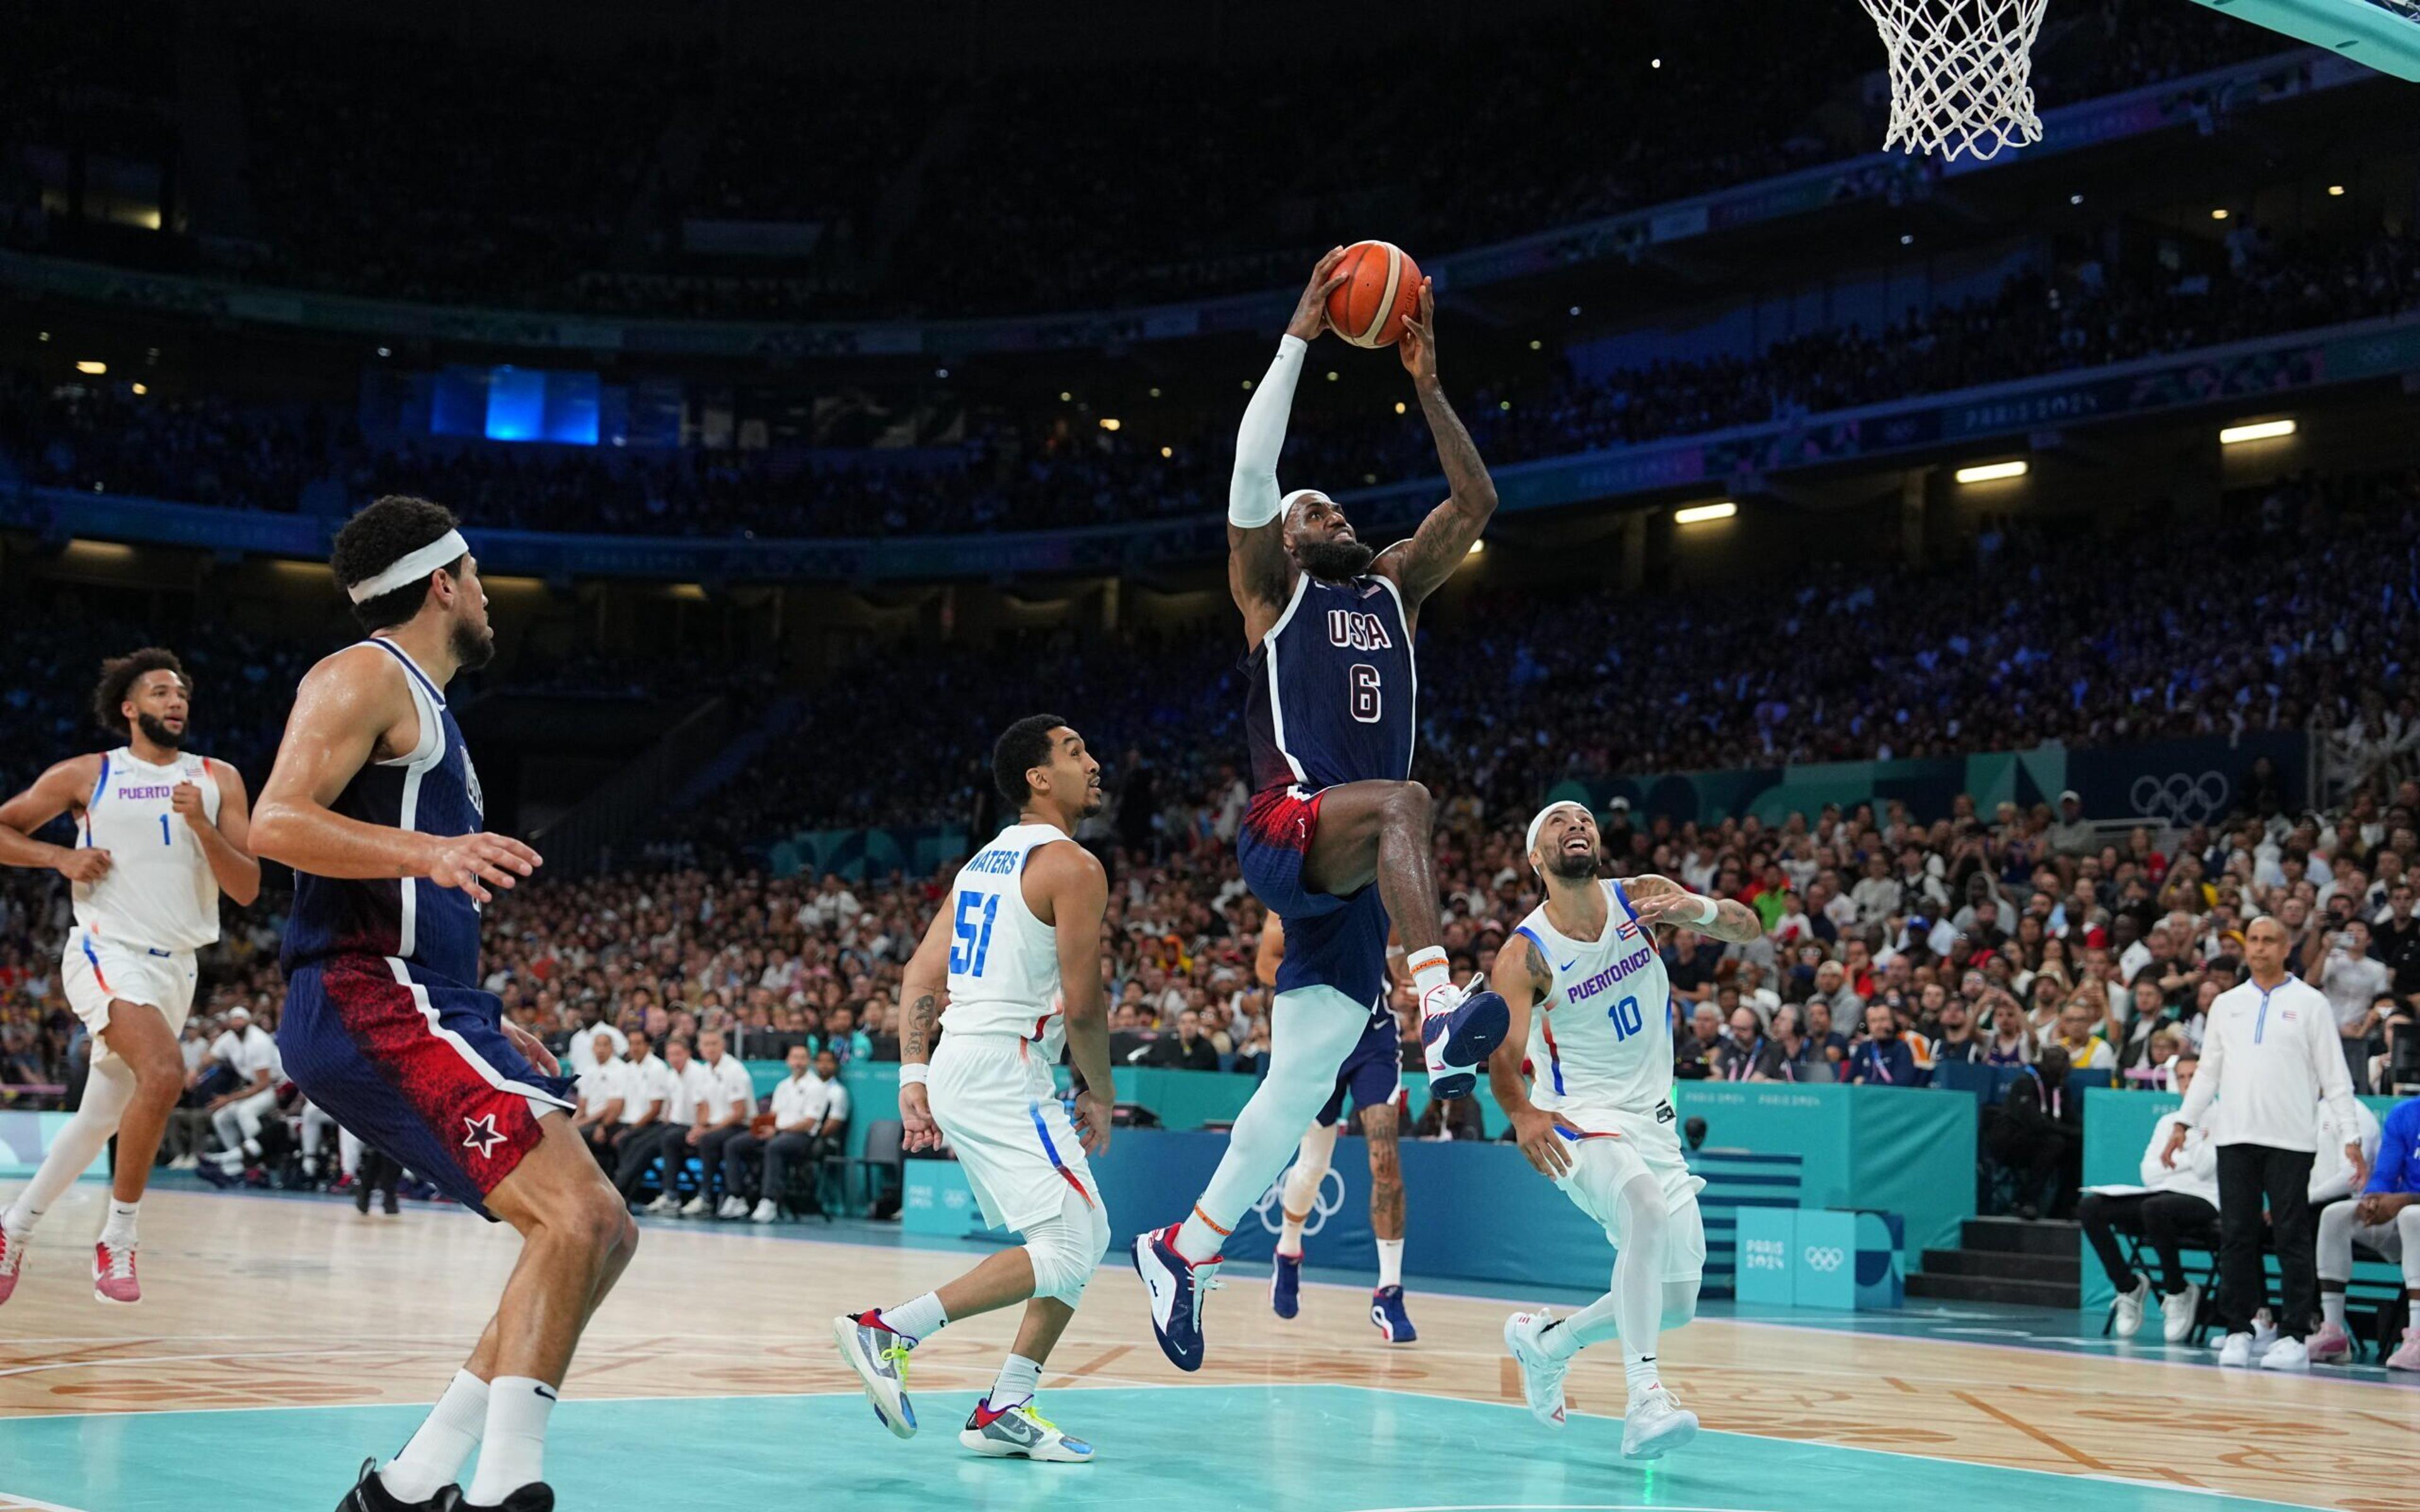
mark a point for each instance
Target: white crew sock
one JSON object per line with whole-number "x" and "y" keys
{"x": 19, "y": 1220}
{"x": 1640, "y": 1371}
{"x": 915, "y": 1321}
{"x": 2331, "y": 1308}
{"x": 1430, "y": 972}
{"x": 1015, "y": 1382}
{"x": 118, "y": 1232}
{"x": 1290, "y": 1235}
{"x": 512, "y": 1454}
{"x": 436, "y": 1455}
{"x": 1390, "y": 1263}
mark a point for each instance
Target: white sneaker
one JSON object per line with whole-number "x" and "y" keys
{"x": 2236, "y": 1351}
{"x": 2178, "y": 1310}
{"x": 184, "y": 1162}
{"x": 1541, "y": 1374}
{"x": 2264, "y": 1333}
{"x": 732, "y": 1207}
{"x": 661, "y": 1205}
{"x": 2128, "y": 1320}
{"x": 2286, "y": 1354}
{"x": 694, "y": 1207}
{"x": 766, "y": 1211}
{"x": 1654, "y": 1425}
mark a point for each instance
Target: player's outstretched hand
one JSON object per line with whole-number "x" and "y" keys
{"x": 1541, "y": 1143}
{"x": 475, "y": 863}
{"x": 533, "y": 1049}
{"x": 90, "y": 864}
{"x": 1311, "y": 311}
{"x": 918, "y": 1130}
{"x": 1680, "y": 909}
{"x": 1092, "y": 1121}
{"x": 1419, "y": 344}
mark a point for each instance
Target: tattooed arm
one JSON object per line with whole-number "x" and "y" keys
{"x": 922, "y": 989}
{"x": 1522, "y": 976}
{"x": 1661, "y": 901}
{"x": 1420, "y": 565}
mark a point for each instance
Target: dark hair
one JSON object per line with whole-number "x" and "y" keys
{"x": 1022, "y": 747}
{"x": 391, "y": 529}
{"x": 120, "y": 673}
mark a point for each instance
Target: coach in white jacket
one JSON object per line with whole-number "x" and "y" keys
{"x": 2271, "y": 1052}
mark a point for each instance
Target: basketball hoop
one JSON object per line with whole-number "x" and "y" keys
{"x": 1960, "y": 73}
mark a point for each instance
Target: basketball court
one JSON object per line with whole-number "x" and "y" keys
{"x": 282, "y": 1340}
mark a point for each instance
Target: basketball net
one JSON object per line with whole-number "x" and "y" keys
{"x": 1960, "y": 73}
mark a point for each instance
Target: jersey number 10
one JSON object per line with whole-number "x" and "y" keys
{"x": 1626, "y": 1021}
{"x": 973, "y": 934}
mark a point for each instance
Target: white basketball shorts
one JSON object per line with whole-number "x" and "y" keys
{"x": 995, "y": 1103}
{"x": 95, "y": 971}
{"x": 1611, "y": 1147}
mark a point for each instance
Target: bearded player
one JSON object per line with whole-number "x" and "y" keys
{"x": 1337, "y": 841}
{"x": 159, "y": 834}
{"x": 1591, "y": 1015}
{"x": 376, "y": 805}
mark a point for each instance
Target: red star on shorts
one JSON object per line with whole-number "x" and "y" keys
{"x": 480, "y": 1134}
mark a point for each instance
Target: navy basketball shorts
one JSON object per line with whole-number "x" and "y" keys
{"x": 1332, "y": 941}
{"x": 418, "y": 1066}
{"x": 1373, "y": 1074}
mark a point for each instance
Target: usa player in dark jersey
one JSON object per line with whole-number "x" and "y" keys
{"x": 376, "y": 805}
{"x": 1337, "y": 841}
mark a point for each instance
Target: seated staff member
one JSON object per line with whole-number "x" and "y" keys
{"x": 724, "y": 1111}
{"x": 603, "y": 1089}
{"x": 2385, "y": 1218}
{"x": 2173, "y": 1203}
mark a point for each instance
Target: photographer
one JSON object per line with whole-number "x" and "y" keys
{"x": 2352, "y": 979}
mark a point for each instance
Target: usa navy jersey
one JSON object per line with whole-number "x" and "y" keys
{"x": 432, "y": 790}
{"x": 1334, "y": 691}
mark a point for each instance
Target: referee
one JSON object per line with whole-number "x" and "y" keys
{"x": 2271, "y": 1052}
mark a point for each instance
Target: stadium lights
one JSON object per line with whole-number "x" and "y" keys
{"x": 940, "y": 371}
{"x": 1154, "y": 394}
{"x": 1399, "y": 406}
{"x": 140, "y": 391}
{"x": 1535, "y": 345}
{"x": 2075, "y": 199}
{"x": 1656, "y": 62}
{"x": 1701, "y": 513}
{"x": 1906, "y": 240}
{"x": 2266, "y": 430}
{"x": 92, "y": 367}
{"x": 1166, "y": 452}
{"x": 41, "y": 335}
{"x": 1331, "y": 375}
{"x": 1065, "y": 396}
{"x": 2219, "y": 214}
{"x": 2336, "y": 192}
{"x": 1476, "y": 547}
{"x": 1110, "y": 422}
{"x": 1993, "y": 472}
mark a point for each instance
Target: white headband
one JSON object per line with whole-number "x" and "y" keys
{"x": 1539, "y": 823}
{"x": 411, "y": 566}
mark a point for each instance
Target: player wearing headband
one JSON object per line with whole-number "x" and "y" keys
{"x": 376, "y": 805}
{"x": 1591, "y": 1015}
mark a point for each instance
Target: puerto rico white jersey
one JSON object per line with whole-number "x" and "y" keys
{"x": 159, "y": 891}
{"x": 1601, "y": 1036}
{"x": 1003, "y": 962}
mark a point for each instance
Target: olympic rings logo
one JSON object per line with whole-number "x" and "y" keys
{"x": 2181, "y": 797}
{"x": 1271, "y": 1210}
{"x": 1826, "y": 1259}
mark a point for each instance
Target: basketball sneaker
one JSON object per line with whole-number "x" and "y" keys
{"x": 369, "y": 1494}
{"x": 878, "y": 1355}
{"x": 389, "y": 1203}
{"x": 535, "y": 1497}
{"x": 2286, "y": 1354}
{"x": 1654, "y": 1425}
{"x": 2235, "y": 1351}
{"x": 113, "y": 1275}
{"x": 1541, "y": 1374}
{"x": 1459, "y": 1038}
{"x": 2407, "y": 1354}
{"x": 362, "y": 1198}
{"x": 2129, "y": 1320}
{"x": 1387, "y": 1311}
{"x": 2331, "y": 1345}
{"x": 695, "y": 1207}
{"x": 1285, "y": 1286}
{"x": 2178, "y": 1312}
{"x": 1177, "y": 1288}
{"x": 12, "y": 1259}
{"x": 1020, "y": 1432}
{"x": 663, "y": 1207}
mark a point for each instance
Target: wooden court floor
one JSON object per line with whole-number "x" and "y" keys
{"x": 253, "y": 1303}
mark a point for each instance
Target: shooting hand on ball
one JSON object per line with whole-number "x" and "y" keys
{"x": 1311, "y": 311}
{"x": 1418, "y": 346}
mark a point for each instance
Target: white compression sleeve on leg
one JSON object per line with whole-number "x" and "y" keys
{"x": 1312, "y": 1030}
{"x": 1302, "y": 1183}
{"x": 106, "y": 1092}
{"x": 1252, "y": 497}
{"x": 1633, "y": 1311}
{"x": 1066, "y": 1250}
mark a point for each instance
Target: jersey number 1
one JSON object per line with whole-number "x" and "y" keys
{"x": 974, "y": 936}
{"x": 1365, "y": 692}
{"x": 165, "y": 839}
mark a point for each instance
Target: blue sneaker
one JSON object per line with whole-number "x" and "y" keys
{"x": 1460, "y": 1039}
{"x": 1285, "y": 1286}
{"x": 1387, "y": 1311}
{"x": 1177, "y": 1287}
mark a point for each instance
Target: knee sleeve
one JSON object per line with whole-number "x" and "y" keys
{"x": 1066, "y": 1249}
{"x": 1310, "y": 1168}
{"x": 1680, "y": 1302}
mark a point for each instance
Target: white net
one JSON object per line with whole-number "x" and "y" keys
{"x": 1960, "y": 73}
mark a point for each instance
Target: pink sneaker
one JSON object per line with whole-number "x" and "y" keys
{"x": 2407, "y": 1354}
{"x": 12, "y": 1256}
{"x": 2331, "y": 1345}
{"x": 113, "y": 1275}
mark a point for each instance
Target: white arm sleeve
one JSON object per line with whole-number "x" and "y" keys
{"x": 1252, "y": 497}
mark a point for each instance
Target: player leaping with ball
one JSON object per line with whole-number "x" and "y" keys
{"x": 1338, "y": 840}
{"x": 1592, "y": 1013}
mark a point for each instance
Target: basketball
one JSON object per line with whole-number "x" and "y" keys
{"x": 1382, "y": 286}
